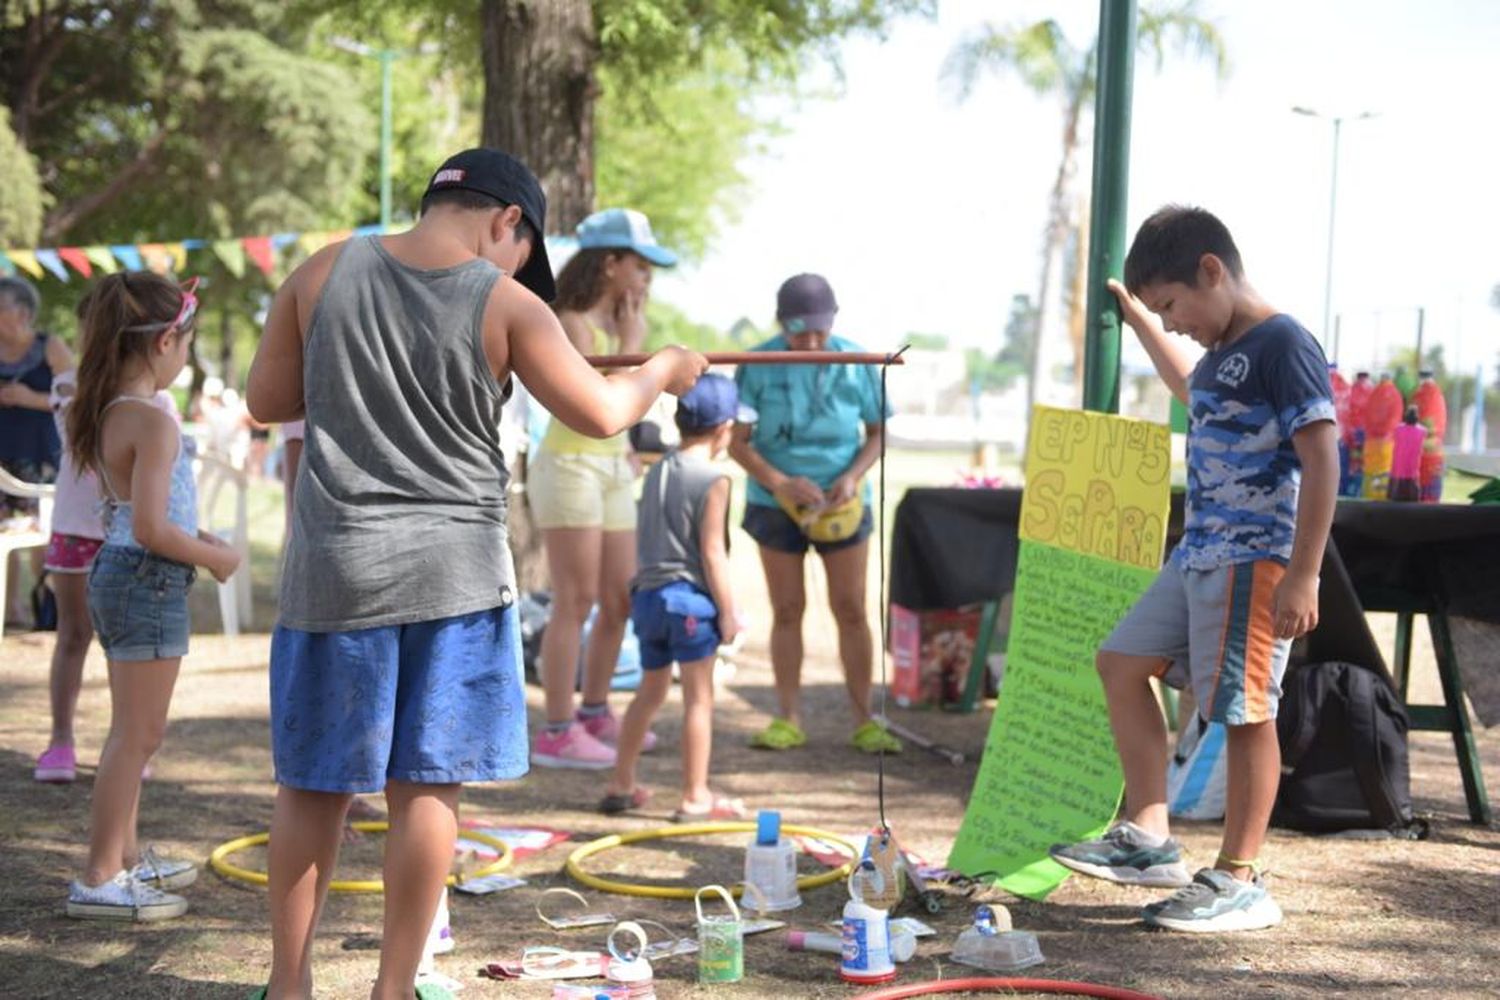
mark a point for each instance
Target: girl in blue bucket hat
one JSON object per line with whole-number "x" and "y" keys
{"x": 582, "y": 495}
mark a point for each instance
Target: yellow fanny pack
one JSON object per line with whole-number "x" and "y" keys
{"x": 827, "y": 524}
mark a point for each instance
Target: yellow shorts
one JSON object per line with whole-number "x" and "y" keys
{"x": 582, "y": 491}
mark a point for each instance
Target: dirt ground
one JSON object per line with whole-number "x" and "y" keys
{"x": 1365, "y": 918}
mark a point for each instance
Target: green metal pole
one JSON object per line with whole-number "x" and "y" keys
{"x": 1101, "y": 354}
{"x": 387, "y": 58}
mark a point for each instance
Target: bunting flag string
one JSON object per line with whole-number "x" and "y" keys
{"x": 172, "y": 257}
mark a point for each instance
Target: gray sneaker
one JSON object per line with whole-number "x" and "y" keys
{"x": 123, "y": 898}
{"x": 161, "y": 872}
{"x": 1121, "y": 855}
{"x": 1216, "y": 901}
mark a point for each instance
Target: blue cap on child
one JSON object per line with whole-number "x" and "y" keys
{"x": 714, "y": 400}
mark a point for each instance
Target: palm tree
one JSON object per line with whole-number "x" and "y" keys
{"x": 1052, "y": 66}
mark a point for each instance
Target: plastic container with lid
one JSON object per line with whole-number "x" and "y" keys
{"x": 992, "y": 944}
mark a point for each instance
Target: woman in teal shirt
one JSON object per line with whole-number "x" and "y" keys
{"x": 817, "y": 433}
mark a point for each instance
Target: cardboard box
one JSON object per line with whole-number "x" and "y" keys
{"x": 931, "y": 652}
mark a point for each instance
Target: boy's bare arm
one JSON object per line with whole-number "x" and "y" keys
{"x": 273, "y": 389}
{"x": 1295, "y": 602}
{"x": 1171, "y": 363}
{"x": 522, "y": 334}
{"x": 716, "y": 556}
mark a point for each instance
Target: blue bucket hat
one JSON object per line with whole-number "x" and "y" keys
{"x": 623, "y": 229}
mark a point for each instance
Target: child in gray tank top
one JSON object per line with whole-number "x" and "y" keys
{"x": 681, "y": 605}
{"x": 396, "y": 661}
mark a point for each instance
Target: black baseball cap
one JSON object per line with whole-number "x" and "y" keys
{"x": 506, "y": 179}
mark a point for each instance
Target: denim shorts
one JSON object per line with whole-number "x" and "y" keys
{"x": 138, "y": 604}
{"x": 675, "y": 622}
{"x": 430, "y": 703}
{"x": 1213, "y": 630}
{"x": 775, "y": 529}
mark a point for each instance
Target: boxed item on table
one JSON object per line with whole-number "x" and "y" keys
{"x": 931, "y": 652}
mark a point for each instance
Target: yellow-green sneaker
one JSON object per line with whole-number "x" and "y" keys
{"x": 779, "y": 735}
{"x": 872, "y": 737}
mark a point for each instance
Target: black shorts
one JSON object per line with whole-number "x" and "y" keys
{"x": 773, "y": 528}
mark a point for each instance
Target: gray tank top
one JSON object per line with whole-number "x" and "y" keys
{"x": 667, "y": 541}
{"x": 399, "y": 512}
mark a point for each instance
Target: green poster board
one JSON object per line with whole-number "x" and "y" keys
{"x": 1050, "y": 773}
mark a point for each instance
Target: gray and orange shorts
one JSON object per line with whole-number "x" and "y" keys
{"x": 1212, "y": 629}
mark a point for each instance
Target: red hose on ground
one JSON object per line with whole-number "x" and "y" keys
{"x": 1014, "y": 985}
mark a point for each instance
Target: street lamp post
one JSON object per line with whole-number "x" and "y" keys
{"x": 1333, "y": 202}
{"x": 387, "y": 59}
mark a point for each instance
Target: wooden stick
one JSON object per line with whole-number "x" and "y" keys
{"x": 759, "y": 358}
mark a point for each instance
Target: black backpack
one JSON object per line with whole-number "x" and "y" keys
{"x": 1343, "y": 753}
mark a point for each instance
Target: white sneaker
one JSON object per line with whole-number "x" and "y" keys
{"x": 123, "y": 898}
{"x": 161, "y": 872}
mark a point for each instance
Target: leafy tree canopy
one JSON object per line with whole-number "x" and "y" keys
{"x": 21, "y": 199}
{"x": 158, "y": 119}
{"x": 675, "y": 78}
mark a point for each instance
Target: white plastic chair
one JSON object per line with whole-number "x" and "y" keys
{"x": 28, "y": 538}
{"x": 214, "y": 473}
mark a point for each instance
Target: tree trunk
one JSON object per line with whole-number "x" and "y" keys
{"x": 539, "y": 93}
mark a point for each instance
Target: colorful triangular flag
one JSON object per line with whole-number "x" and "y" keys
{"x": 156, "y": 257}
{"x": 101, "y": 258}
{"x": 77, "y": 259}
{"x": 128, "y": 255}
{"x": 178, "y": 253}
{"x": 311, "y": 243}
{"x": 26, "y": 261}
{"x": 51, "y": 261}
{"x": 258, "y": 249}
{"x": 6, "y": 267}
{"x": 232, "y": 254}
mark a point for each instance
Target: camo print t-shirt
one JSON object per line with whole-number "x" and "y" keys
{"x": 1246, "y": 401}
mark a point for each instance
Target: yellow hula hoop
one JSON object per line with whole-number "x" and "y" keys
{"x": 219, "y": 862}
{"x": 575, "y": 868}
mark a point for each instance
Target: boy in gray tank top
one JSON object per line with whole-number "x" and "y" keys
{"x": 681, "y": 603}
{"x": 395, "y": 664}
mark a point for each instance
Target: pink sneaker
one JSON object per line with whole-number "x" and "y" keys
{"x": 606, "y": 729}
{"x": 58, "y": 766}
{"x": 574, "y": 748}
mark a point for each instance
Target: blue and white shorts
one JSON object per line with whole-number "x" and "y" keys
{"x": 433, "y": 703}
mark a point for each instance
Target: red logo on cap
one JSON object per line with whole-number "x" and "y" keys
{"x": 453, "y": 175}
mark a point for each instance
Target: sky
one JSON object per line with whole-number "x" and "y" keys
{"x": 926, "y": 213}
